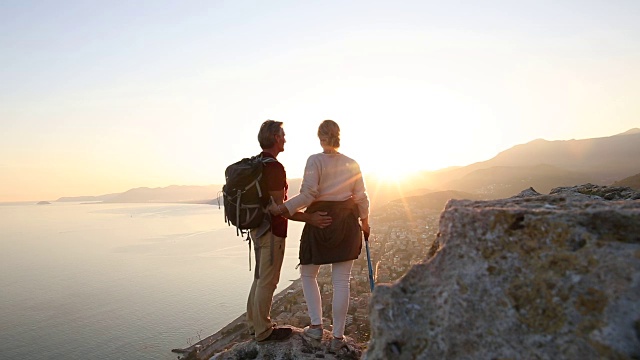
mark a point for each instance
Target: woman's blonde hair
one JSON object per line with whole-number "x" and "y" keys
{"x": 329, "y": 131}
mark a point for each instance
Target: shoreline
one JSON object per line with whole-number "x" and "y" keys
{"x": 231, "y": 333}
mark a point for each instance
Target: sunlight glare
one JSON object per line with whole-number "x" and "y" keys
{"x": 389, "y": 171}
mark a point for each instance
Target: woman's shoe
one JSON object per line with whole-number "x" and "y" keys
{"x": 337, "y": 344}
{"x": 314, "y": 333}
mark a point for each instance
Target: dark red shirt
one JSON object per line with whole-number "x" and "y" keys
{"x": 275, "y": 179}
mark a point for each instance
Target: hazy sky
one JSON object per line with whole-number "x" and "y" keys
{"x": 103, "y": 96}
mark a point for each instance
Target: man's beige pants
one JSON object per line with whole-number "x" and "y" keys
{"x": 264, "y": 284}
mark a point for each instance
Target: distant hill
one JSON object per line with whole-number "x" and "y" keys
{"x": 173, "y": 193}
{"x": 505, "y": 181}
{"x": 406, "y": 207}
{"x": 543, "y": 165}
{"x": 630, "y": 132}
{"x": 87, "y": 198}
{"x": 436, "y": 200}
{"x": 195, "y": 194}
{"x": 294, "y": 189}
{"x": 632, "y": 182}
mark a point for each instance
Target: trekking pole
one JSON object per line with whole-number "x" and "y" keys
{"x": 366, "y": 243}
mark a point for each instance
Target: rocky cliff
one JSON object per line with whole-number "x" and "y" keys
{"x": 531, "y": 277}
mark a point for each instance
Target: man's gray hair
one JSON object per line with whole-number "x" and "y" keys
{"x": 268, "y": 130}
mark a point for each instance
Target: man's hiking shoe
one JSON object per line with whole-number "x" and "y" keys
{"x": 252, "y": 331}
{"x": 314, "y": 333}
{"x": 278, "y": 334}
{"x": 337, "y": 344}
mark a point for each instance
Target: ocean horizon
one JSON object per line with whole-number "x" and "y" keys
{"x": 120, "y": 281}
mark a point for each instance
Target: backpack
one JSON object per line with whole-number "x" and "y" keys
{"x": 243, "y": 195}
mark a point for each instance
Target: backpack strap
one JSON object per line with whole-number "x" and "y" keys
{"x": 238, "y": 197}
{"x": 264, "y": 161}
{"x": 249, "y": 240}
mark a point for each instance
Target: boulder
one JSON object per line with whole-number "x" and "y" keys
{"x": 530, "y": 277}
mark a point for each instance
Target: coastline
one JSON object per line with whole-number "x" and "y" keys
{"x": 230, "y": 334}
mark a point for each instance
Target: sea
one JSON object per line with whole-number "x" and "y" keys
{"x": 120, "y": 281}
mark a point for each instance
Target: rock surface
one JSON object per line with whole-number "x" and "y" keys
{"x": 596, "y": 192}
{"x": 296, "y": 347}
{"x": 531, "y": 277}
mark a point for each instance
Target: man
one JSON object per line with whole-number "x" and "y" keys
{"x": 270, "y": 244}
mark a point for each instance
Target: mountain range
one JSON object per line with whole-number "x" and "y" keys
{"x": 540, "y": 164}
{"x": 543, "y": 165}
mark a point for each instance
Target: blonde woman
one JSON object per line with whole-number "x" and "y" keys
{"x": 333, "y": 183}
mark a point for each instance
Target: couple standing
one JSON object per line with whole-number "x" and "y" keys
{"x": 337, "y": 210}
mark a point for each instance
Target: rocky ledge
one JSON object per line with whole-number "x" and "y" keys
{"x": 296, "y": 347}
{"x": 530, "y": 277}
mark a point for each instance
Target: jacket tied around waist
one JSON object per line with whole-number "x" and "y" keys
{"x": 340, "y": 241}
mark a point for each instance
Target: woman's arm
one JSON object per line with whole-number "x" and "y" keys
{"x": 360, "y": 194}
{"x": 276, "y": 207}
{"x": 308, "y": 189}
{"x": 364, "y": 223}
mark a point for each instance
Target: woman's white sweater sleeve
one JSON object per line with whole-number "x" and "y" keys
{"x": 308, "y": 189}
{"x": 360, "y": 194}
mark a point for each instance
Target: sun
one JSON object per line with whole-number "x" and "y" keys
{"x": 389, "y": 172}
{"x": 387, "y": 168}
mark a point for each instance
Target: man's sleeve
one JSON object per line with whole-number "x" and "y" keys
{"x": 275, "y": 176}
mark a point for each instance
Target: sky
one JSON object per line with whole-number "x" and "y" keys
{"x": 99, "y": 97}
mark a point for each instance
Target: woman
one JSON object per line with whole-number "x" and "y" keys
{"x": 333, "y": 183}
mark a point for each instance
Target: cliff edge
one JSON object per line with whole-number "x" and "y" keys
{"x": 534, "y": 276}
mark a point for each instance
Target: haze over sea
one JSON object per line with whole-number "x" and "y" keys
{"x": 120, "y": 281}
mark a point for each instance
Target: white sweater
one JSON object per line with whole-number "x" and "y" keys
{"x": 330, "y": 177}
